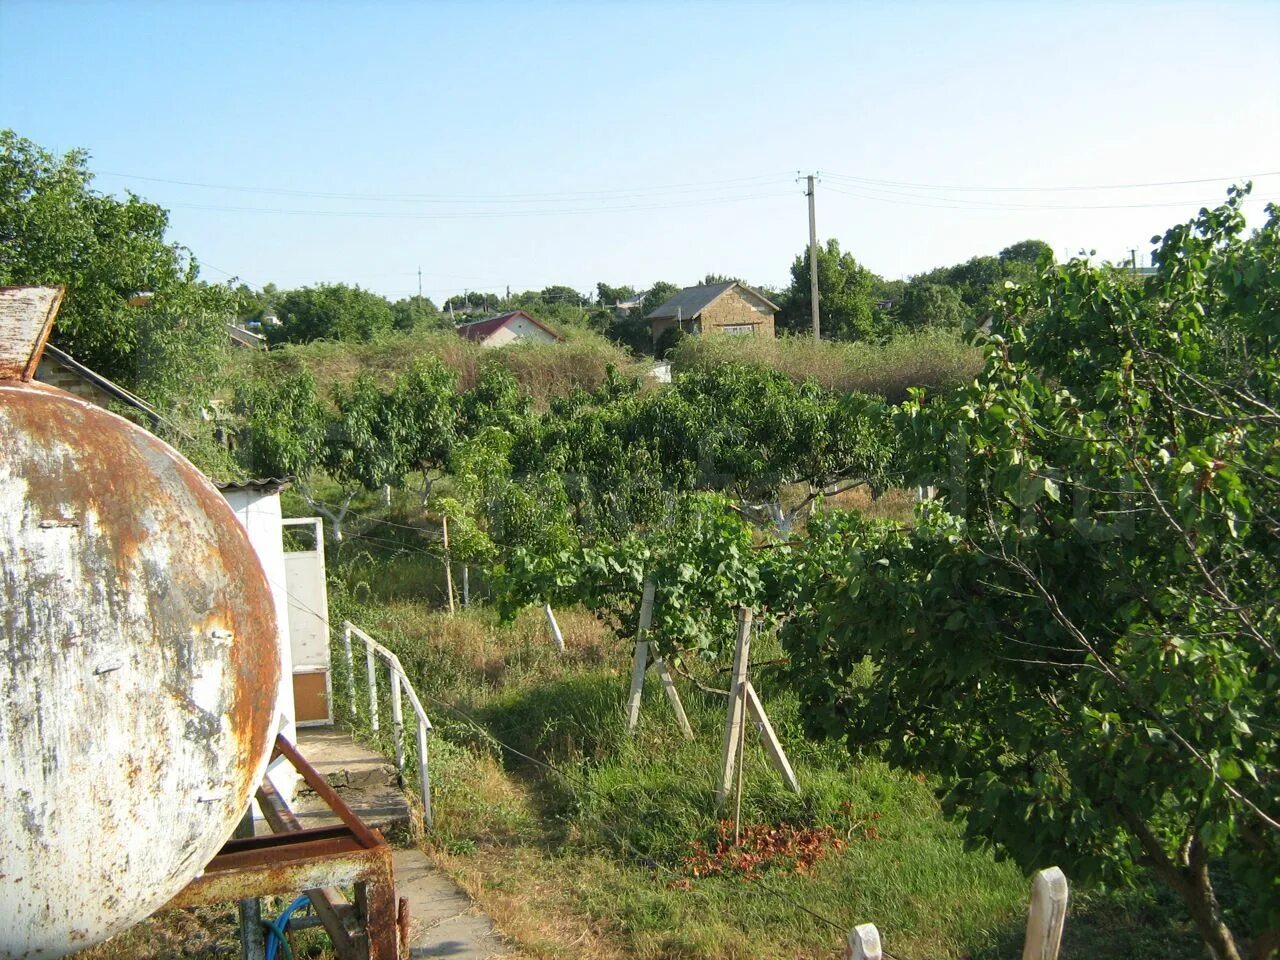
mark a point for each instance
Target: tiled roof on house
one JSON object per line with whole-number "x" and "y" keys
{"x": 481, "y": 330}
{"x": 691, "y": 301}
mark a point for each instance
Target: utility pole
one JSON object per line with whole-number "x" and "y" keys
{"x": 1133, "y": 258}
{"x": 419, "y": 281}
{"x": 813, "y": 260}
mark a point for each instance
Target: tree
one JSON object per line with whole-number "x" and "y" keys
{"x": 846, "y": 295}
{"x": 425, "y": 402}
{"x": 107, "y": 252}
{"x": 928, "y": 304}
{"x": 656, "y": 296}
{"x": 1080, "y": 637}
{"x": 416, "y": 313}
{"x": 607, "y": 296}
{"x": 1030, "y": 252}
{"x": 332, "y": 311}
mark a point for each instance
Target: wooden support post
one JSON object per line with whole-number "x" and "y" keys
{"x": 448, "y": 564}
{"x": 733, "y": 719}
{"x": 466, "y": 586}
{"x": 1047, "y": 915}
{"x": 640, "y": 659}
{"x": 556, "y": 636}
{"x": 864, "y": 942}
{"x": 669, "y": 685}
{"x": 777, "y": 756}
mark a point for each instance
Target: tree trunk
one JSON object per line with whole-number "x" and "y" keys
{"x": 1189, "y": 877}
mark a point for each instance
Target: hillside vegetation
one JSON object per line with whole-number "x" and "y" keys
{"x": 935, "y": 358}
{"x": 544, "y": 371}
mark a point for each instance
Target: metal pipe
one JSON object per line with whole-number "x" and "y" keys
{"x": 351, "y": 667}
{"x": 373, "y": 688}
{"x": 397, "y": 721}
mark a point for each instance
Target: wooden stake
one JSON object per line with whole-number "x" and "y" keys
{"x": 669, "y": 685}
{"x": 864, "y": 942}
{"x": 556, "y": 636}
{"x": 448, "y": 565}
{"x": 640, "y": 658}
{"x": 733, "y": 720}
{"x": 777, "y": 756}
{"x": 1047, "y": 914}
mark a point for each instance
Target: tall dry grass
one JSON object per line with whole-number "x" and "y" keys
{"x": 935, "y": 359}
{"x": 544, "y": 370}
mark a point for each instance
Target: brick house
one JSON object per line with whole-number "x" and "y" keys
{"x": 716, "y": 308}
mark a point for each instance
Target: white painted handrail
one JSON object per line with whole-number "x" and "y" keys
{"x": 399, "y": 683}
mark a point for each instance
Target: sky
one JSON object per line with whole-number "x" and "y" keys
{"x": 490, "y": 145}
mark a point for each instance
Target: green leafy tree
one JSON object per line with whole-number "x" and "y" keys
{"x": 284, "y": 425}
{"x": 1080, "y": 637}
{"x": 656, "y": 296}
{"x": 928, "y": 304}
{"x": 846, "y": 295}
{"x": 332, "y": 311}
{"x": 1030, "y": 252}
{"x": 607, "y": 296}
{"x": 425, "y": 404}
{"x": 417, "y": 313}
{"x": 108, "y": 252}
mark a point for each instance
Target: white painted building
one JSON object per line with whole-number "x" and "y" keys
{"x": 508, "y": 328}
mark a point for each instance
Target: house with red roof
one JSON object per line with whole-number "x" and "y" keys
{"x": 513, "y": 327}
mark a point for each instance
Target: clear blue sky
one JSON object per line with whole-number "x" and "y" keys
{"x": 536, "y": 143}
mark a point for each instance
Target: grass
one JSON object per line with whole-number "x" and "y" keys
{"x": 936, "y": 359}
{"x": 545, "y": 370}
{"x": 576, "y": 839}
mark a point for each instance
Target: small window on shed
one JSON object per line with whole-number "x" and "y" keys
{"x": 747, "y": 329}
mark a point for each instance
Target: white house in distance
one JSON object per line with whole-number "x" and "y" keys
{"x": 508, "y": 328}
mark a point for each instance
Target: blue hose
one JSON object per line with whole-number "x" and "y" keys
{"x": 276, "y": 928}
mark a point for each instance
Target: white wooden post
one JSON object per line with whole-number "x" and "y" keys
{"x": 556, "y": 636}
{"x": 1047, "y": 914}
{"x": 466, "y": 585}
{"x": 448, "y": 564}
{"x": 864, "y": 942}
{"x": 669, "y": 685}
{"x": 777, "y": 756}
{"x": 351, "y": 667}
{"x": 397, "y": 719}
{"x": 733, "y": 720}
{"x": 373, "y": 687}
{"x": 640, "y": 659}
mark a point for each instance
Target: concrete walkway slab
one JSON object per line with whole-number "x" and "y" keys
{"x": 443, "y": 922}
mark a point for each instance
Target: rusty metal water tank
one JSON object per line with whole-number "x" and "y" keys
{"x": 138, "y": 660}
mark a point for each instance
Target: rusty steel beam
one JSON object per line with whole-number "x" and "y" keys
{"x": 320, "y": 785}
{"x": 310, "y": 860}
{"x": 331, "y": 907}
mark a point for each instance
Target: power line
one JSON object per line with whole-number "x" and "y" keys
{"x": 1054, "y": 189}
{"x": 939, "y": 202}
{"x": 547, "y": 197}
{"x": 474, "y": 214}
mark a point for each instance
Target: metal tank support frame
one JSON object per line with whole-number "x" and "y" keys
{"x": 315, "y": 861}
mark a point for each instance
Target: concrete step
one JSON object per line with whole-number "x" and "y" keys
{"x": 365, "y": 780}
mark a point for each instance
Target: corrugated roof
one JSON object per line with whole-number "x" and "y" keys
{"x": 262, "y": 485}
{"x": 479, "y": 330}
{"x": 691, "y": 301}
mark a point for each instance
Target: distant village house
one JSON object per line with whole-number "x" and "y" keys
{"x": 508, "y": 328}
{"x": 716, "y": 308}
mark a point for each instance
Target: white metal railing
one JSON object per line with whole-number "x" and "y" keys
{"x": 399, "y": 682}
